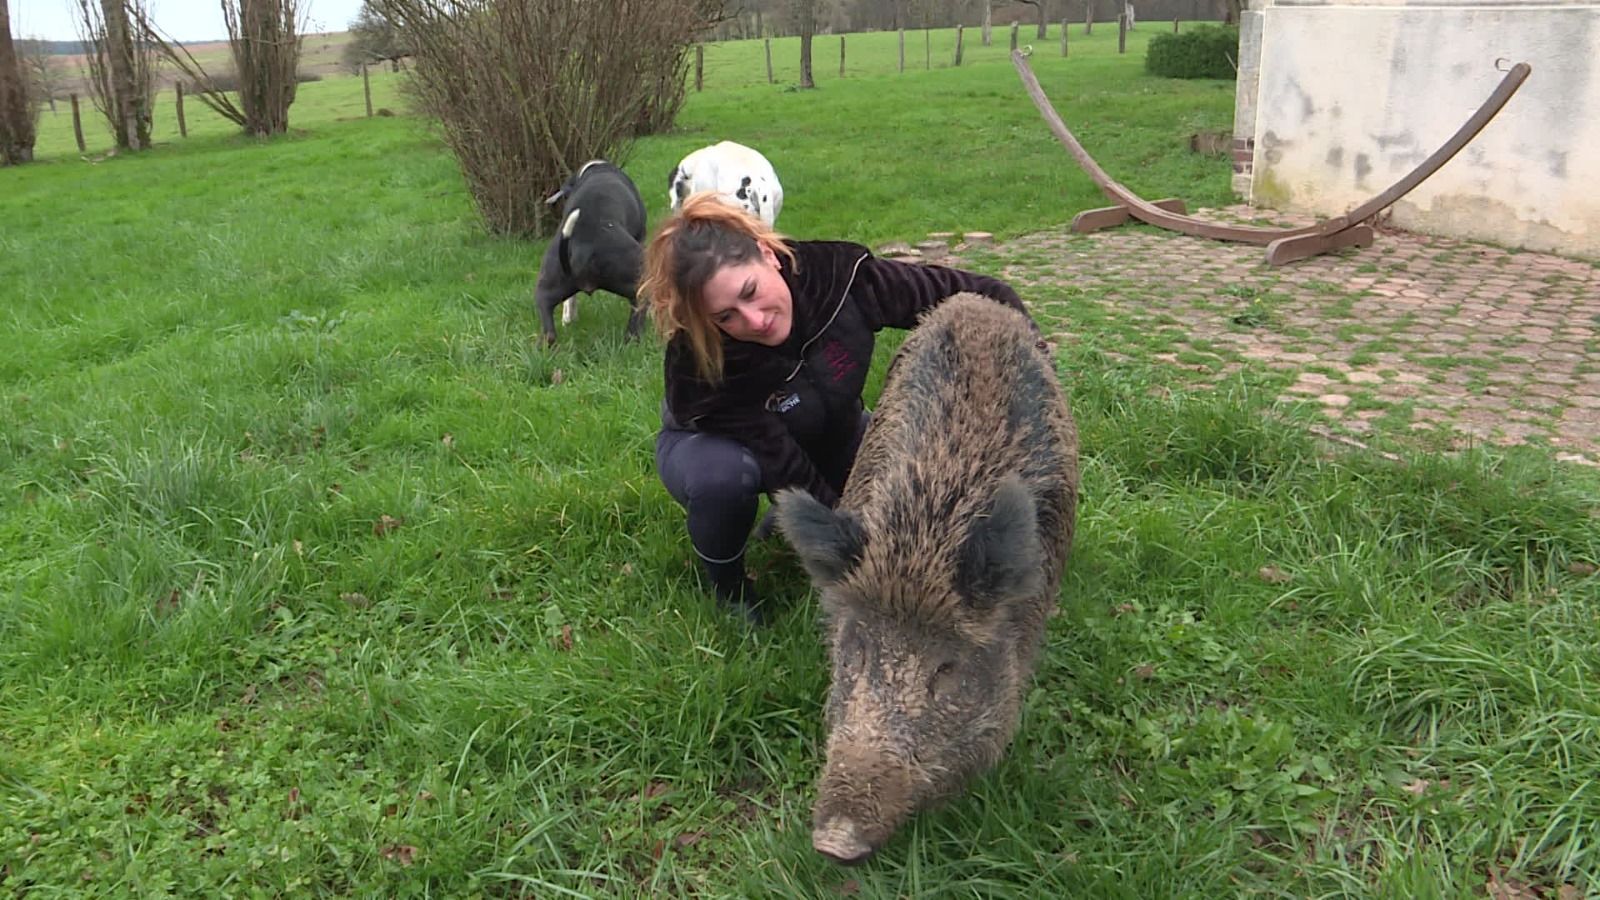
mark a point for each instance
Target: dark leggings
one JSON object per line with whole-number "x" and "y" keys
{"x": 717, "y": 481}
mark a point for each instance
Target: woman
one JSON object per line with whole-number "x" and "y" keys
{"x": 768, "y": 344}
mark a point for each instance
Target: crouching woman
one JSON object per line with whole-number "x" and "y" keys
{"x": 768, "y": 342}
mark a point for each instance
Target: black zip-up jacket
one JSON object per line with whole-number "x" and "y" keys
{"x": 797, "y": 406}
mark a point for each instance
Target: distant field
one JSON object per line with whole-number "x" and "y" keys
{"x": 319, "y": 55}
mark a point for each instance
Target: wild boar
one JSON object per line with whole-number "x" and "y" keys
{"x": 938, "y": 568}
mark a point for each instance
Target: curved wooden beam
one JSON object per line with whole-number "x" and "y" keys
{"x": 1153, "y": 214}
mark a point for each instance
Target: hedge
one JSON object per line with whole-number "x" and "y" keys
{"x": 1209, "y": 51}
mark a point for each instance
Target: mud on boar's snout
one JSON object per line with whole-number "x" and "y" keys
{"x": 864, "y": 796}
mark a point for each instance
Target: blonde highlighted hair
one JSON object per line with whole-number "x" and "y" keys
{"x": 704, "y": 236}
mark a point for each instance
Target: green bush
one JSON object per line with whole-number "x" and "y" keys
{"x": 1209, "y": 51}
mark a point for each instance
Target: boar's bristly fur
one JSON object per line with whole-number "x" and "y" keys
{"x": 938, "y": 569}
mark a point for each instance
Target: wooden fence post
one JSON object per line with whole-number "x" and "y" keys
{"x": 1174, "y": 24}
{"x": 1013, "y": 36}
{"x": 1122, "y": 33}
{"x": 927, "y": 48}
{"x": 1063, "y": 37}
{"x": 958, "y": 45}
{"x": 366, "y": 88}
{"x": 841, "y": 56}
{"x": 77, "y": 125}
{"x": 183, "y": 126}
{"x": 699, "y": 66}
{"x": 768, "y": 42}
{"x": 902, "y": 49}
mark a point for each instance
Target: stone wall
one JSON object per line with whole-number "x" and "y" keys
{"x": 1337, "y": 100}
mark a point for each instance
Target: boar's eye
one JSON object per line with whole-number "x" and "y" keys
{"x": 943, "y": 678}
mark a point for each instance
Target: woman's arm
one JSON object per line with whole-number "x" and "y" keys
{"x": 894, "y": 294}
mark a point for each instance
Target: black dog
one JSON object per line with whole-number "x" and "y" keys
{"x": 600, "y": 246}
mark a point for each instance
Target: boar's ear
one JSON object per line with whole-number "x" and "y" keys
{"x": 829, "y": 541}
{"x": 1001, "y": 558}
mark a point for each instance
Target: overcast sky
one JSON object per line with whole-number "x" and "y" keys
{"x": 186, "y": 20}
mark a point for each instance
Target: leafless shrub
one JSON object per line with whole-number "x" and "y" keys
{"x": 526, "y": 91}
{"x": 122, "y": 66}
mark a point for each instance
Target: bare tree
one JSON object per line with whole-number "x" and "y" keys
{"x": 526, "y": 91}
{"x": 18, "y": 112}
{"x": 121, "y": 67}
{"x": 870, "y": 15}
{"x": 44, "y": 71}
{"x": 988, "y": 17}
{"x": 264, "y": 37}
{"x": 374, "y": 37}
{"x": 804, "y": 13}
{"x": 1039, "y": 8}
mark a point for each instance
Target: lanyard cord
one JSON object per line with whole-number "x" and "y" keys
{"x": 824, "y": 328}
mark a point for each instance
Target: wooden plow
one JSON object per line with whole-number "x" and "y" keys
{"x": 1284, "y": 245}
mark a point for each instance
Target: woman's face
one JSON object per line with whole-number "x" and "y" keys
{"x": 750, "y": 301}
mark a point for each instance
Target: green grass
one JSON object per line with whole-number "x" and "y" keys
{"x": 224, "y": 671}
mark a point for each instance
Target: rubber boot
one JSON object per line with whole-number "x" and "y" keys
{"x": 734, "y": 591}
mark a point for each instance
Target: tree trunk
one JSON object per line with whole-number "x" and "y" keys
{"x": 16, "y": 113}
{"x": 805, "y": 61}
{"x": 266, "y": 51}
{"x": 988, "y": 13}
{"x": 130, "y": 120}
{"x": 1039, "y": 8}
{"x": 806, "y": 19}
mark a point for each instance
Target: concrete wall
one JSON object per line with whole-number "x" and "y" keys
{"x": 1246, "y": 89}
{"x": 1353, "y": 94}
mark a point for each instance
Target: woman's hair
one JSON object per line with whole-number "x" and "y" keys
{"x": 704, "y": 236}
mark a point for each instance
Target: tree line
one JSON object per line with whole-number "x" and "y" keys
{"x": 123, "y": 48}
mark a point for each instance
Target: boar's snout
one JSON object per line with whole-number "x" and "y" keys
{"x": 839, "y": 841}
{"x": 865, "y": 796}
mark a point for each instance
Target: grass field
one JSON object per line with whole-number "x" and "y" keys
{"x": 319, "y": 576}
